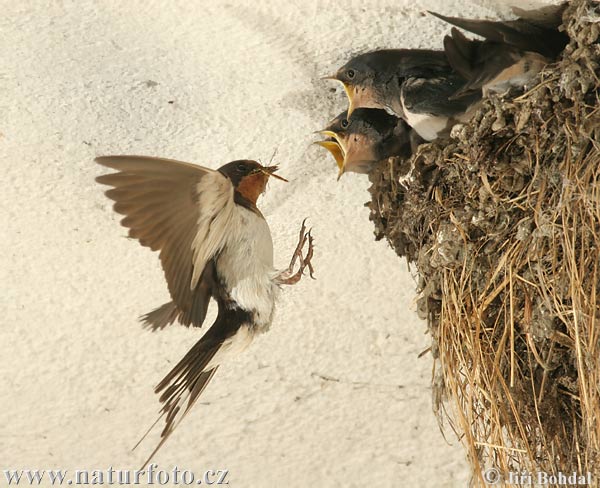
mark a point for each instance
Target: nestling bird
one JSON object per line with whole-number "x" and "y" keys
{"x": 366, "y": 137}
{"x": 414, "y": 84}
{"x": 213, "y": 243}
{"x": 433, "y": 90}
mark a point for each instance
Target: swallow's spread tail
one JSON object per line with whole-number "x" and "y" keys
{"x": 182, "y": 386}
{"x": 160, "y": 317}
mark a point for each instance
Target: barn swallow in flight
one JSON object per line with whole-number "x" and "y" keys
{"x": 433, "y": 90}
{"x": 213, "y": 242}
{"x": 366, "y": 137}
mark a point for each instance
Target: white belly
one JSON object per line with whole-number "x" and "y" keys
{"x": 246, "y": 265}
{"x": 428, "y": 126}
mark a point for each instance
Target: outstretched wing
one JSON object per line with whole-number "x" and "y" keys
{"x": 179, "y": 209}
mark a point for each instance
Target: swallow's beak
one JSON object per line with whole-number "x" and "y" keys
{"x": 336, "y": 151}
{"x": 328, "y": 133}
{"x": 270, "y": 171}
{"x": 347, "y": 88}
{"x": 351, "y": 100}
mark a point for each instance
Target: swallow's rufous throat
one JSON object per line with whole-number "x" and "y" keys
{"x": 432, "y": 90}
{"x": 213, "y": 243}
{"x": 366, "y": 137}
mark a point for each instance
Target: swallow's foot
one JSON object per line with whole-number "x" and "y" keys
{"x": 288, "y": 277}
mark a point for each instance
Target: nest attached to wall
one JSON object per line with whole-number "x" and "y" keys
{"x": 503, "y": 225}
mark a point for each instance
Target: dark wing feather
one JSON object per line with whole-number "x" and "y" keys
{"x": 549, "y": 16}
{"x": 477, "y": 61}
{"x": 434, "y": 96}
{"x": 459, "y": 51}
{"x": 522, "y": 34}
{"x": 159, "y": 201}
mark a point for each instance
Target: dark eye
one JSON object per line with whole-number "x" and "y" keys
{"x": 242, "y": 168}
{"x": 350, "y": 73}
{"x": 345, "y": 123}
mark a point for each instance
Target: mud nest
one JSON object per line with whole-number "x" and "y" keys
{"x": 503, "y": 225}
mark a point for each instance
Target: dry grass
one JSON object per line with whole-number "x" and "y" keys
{"x": 503, "y": 224}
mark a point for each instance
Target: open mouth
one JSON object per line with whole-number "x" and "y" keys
{"x": 336, "y": 150}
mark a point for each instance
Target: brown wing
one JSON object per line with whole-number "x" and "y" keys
{"x": 162, "y": 208}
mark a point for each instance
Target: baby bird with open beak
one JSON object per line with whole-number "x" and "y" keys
{"x": 434, "y": 89}
{"x": 369, "y": 135}
{"x": 213, "y": 243}
{"x": 414, "y": 84}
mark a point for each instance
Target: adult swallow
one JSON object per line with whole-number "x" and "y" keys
{"x": 366, "y": 137}
{"x": 213, "y": 243}
{"x": 432, "y": 90}
{"x": 511, "y": 53}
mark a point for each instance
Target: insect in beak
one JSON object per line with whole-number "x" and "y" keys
{"x": 270, "y": 171}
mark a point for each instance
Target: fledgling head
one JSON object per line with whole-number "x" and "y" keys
{"x": 373, "y": 79}
{"x": 358, "y": 76}
{"x": 367, "y": 136}
{"x": 249, "y": 178}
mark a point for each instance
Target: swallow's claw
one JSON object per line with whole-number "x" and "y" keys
{"x": 309, "y": 255}
{"x": 288, "y": 277}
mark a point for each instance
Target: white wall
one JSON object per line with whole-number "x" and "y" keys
{"x": 80, "y": 79}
